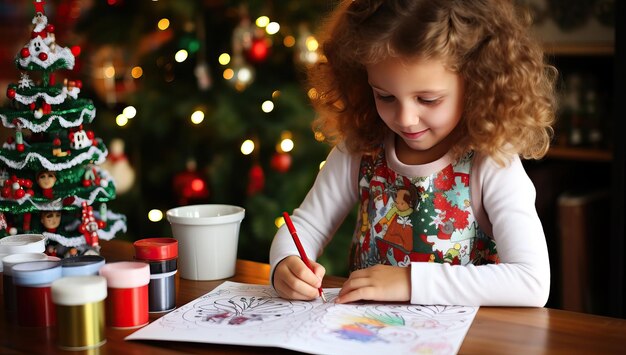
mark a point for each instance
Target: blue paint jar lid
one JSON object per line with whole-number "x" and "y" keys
{"x": 83, "y": 265}
{"x": 36, "y": 273}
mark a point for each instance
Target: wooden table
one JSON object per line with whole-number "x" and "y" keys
{"x": 504, "y": 330}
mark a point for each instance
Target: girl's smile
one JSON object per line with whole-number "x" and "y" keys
{"x": 415, "y": 135}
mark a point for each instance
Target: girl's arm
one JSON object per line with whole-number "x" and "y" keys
{"x": 324, "y": 208}
{"x": 523, "y": 276}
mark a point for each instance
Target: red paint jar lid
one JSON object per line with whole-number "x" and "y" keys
{"x": 156, "y": 249}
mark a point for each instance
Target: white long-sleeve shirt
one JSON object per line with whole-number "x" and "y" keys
{"x": 503, "y": 202}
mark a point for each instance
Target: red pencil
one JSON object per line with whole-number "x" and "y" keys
{"x": 296, "y": 240}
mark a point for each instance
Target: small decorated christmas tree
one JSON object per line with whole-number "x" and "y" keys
{"x": 50, "y": 177}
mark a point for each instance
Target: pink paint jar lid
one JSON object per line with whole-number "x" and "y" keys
{"x": 126, "y": 274}
{"x": 156, "y": 249}
{"x": 79, "y": 290}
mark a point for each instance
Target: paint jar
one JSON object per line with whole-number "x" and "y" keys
{"x": 80, "y": 311}
{"x": 162, "y": 255}
{"x": 21, "y": 243}
{"x": 8, "y": 288}
{"x": 32, "y": 282}
{"x": 83, "y": 265}
{"x": 127, "y": 290}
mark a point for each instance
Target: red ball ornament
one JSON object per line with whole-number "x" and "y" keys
{"x": 6, "y": 192}
{"x": 43, "y": 56}
{"x": 190, "y": 185}
{"x": 50, "y": 28}
{"x": 256, "y": 180}
{"x": 258, "y": 50}
{"x": 281, "y": 162}
{"x": 11, "y": 93}
{"x": 19, "y": 193}
{"x": 27, "y": 183}
{"x": 56, "y": 142}
{"x": 25, "y": 53}
{"x": 20, "y": 147}
{"x": 75, "y": 51}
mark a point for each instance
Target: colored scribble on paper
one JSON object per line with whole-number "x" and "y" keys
{"x": 394, "y": 324}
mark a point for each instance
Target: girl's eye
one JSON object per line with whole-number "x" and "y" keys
{"x": 428, "y": 101}
{"x": 384, "y": 98}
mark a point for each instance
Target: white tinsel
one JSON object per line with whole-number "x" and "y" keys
{"x": 43, "y": 126}
{"x": 48, "y": 165}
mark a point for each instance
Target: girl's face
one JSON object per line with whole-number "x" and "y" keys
{"x": 422, "y": 102}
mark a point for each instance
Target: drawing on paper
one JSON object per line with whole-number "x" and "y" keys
{"x": 247, "y": 306}
{"x": 242, "y": 309}
{"x": 254, "y": 315}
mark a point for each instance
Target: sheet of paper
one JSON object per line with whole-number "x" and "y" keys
{"x": 246, "y": 314}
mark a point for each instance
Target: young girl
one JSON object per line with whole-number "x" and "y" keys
{"x": 444, "y": 96}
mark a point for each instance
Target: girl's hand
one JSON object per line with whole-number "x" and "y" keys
{"x": 294, "y": 280}
{"x": 377, "y": 283}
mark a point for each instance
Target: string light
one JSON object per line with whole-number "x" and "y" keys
{"x": 267, "y": 106}
{"x": 181, "y": 56}
{"x": 155, "y": 215}
{"x": 244, "y": 75}
{"x": 136, "y": 72}
{"x": 311, "y": 43}
{"x": 286, "y": 145}
{"x": 129, "y": 112}
{"x": 247, "y": 147}
{"x": 109, "y": 72}
{"x": 289, "y": 41}
{"x": 121, "y": 120}
{"x": 272, "y": 28}
{"x": 163, "y": 24}
{"x": 224, "y": 59}
{"x": 262, "y": 21}
{"x": 228, "y": 74}
{"x": 197, "y": 117}
{"x": 322, "y": 164}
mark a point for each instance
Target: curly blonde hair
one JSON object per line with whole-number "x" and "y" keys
{"x": 509, "y": 102}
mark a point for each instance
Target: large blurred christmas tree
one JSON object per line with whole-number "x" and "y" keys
{"x": 219, "y": 109}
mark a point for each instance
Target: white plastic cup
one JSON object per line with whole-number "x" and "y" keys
{"x": 207, "y": 240}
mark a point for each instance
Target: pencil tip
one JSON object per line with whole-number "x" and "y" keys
{"x": 323, "y": 297}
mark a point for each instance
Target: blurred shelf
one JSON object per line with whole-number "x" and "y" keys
{"x": 586, "y": 154}
{"x": 591, "y": 49}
